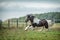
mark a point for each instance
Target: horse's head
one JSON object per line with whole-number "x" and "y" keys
{"x": 29, "y": 18}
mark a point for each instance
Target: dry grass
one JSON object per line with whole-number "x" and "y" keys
{"x": 20, "y": 34}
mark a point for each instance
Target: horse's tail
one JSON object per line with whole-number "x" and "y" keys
{"x": 46, "y": 25}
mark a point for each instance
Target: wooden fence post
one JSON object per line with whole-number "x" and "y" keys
{"x": 8, "y": 23}
{"x": 17, "y": 23}
{"x": 0, "y": 24}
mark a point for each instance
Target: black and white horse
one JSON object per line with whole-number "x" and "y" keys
{"x": 35, "y": 22}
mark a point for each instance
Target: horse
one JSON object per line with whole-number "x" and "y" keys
{"x": 35, "y": 22}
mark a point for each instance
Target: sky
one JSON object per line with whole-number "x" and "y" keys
{"x": 18, "y": 8}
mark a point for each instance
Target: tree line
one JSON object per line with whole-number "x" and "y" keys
{"x": 50, "y": 16}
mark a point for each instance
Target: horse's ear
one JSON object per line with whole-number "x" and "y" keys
{"x": 32, "y": 17}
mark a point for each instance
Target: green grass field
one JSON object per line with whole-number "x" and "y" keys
{"x": 20, "y": 34}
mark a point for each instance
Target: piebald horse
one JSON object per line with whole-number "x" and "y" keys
{"x": 35, "y": 22}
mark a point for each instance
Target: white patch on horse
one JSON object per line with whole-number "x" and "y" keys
{"x": 36, "y": 20}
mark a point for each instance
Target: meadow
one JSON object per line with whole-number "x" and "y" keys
{"x": 19, "y": 33}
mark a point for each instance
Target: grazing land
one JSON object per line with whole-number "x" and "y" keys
{"x": 20, "y": 34}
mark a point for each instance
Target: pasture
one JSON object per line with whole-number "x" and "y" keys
{"x": 20, "y": 34}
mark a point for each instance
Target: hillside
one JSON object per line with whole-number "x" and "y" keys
{"x": 49, "y": 15}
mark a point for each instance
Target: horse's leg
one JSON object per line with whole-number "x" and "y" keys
{"x": 27, "y": 27}
{"x": 41, "y": 29}
{"x": 31, "y": 27}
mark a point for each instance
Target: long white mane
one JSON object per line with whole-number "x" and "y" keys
{"x": 36, "y": 20}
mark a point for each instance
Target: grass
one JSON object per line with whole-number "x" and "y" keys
{"x": 20, "y": 34}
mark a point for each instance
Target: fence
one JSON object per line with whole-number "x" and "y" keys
{"x": 0, "y": 24}
{"x": 57, "y": 20}
{"x": 18, "y": 23}
{"x": 13, "y": 23}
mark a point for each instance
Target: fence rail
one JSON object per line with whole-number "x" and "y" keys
{"x": 17, "y": 23}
